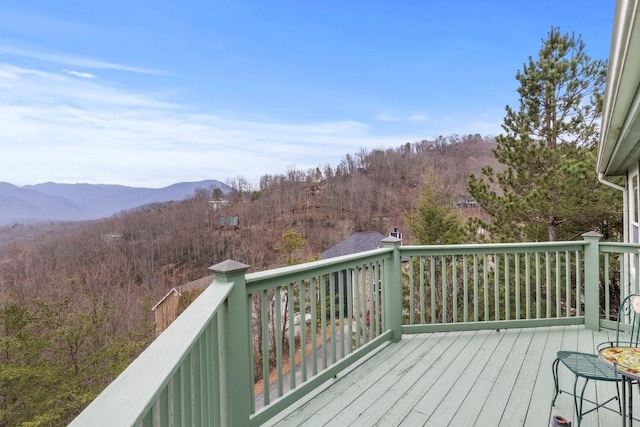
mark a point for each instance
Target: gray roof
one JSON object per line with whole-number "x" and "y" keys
{"x": 196, "y": 285}
{"x": 358, "y": 242}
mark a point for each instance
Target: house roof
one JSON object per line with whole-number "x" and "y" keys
{"x": 620, "y": 137}
{"x": 358, "y": 242}
{"x": 195, "y": 285}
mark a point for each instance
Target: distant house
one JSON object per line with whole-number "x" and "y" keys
{"x": 228, "y": 222}
{"x": 218, "y": 204}
{"x": 465, "y": 201}
{"x": 166, "y": 310}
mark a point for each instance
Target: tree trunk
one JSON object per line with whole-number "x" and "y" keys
{"x": 553, "y": 229}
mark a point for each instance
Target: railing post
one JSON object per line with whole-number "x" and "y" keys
{"x": 393, "y": 289}
{"x": 235, "y": 347}
{"x": 591, "y": 280}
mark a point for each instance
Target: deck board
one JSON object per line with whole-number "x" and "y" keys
{"x": 530, "y": 376}
{"x": 482, "y": 370}
{"x": 400, "y": 398}
{"x": 500, "y": 378}
{"x": 507, "y": 367}
{"x": 390, "y": 388}
{"x": 539, "y": 359}
{"x": 431, "y": 379}
{"x": 369, "y": 376}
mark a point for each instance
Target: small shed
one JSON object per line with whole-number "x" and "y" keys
{"x": 166, "y": 310}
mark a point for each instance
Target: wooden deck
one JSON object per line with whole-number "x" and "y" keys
{"x": 484, "y": 378}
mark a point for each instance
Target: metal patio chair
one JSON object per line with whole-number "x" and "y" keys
{"x": 589, "y": 367}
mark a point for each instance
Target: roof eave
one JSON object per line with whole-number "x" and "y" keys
{"x": 621, "y": 111}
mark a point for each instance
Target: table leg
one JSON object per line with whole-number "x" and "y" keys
{"x": 624, "y": 401}
{"x": 630, "y": 392}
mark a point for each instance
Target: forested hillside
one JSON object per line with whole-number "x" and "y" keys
{"x": 75, "y": 301}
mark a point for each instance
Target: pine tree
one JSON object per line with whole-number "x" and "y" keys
{"x": 55, "y": 358}
{"x": 434, "y": 223}
{"x": 548, "y": 189}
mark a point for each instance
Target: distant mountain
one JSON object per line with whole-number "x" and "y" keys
{"x": 76, "y": 202}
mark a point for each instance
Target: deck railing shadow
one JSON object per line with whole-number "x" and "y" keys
{"x": 272, "y": 337}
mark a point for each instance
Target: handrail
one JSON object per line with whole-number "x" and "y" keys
{"x": 283, "y": 274}
{"x": 141, "y": 393}
{"x": 465, "y": 249}
{"x": 321, "y": 317}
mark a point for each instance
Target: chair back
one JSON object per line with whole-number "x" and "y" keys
{"x": 629, "y": 321}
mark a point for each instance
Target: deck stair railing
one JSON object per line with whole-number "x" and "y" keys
{"x": 253, "y": 344}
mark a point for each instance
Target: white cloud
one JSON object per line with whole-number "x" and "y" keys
{"x": 415, "y": 117}
{"x": 71, "y": 126}
{"x": 59, "y": 128}
{"x": 81, "y": 74}
{"x": 71, "y": 60}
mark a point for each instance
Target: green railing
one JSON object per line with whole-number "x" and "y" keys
{"x": 253, "y": 344}
{"x": 619, "y": 275}
{"x": 312, "y": 321}
{"x": 492, "y": 286}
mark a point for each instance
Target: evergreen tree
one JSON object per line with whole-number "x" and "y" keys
{"x": 56, "y": 358}
{"x": 548, "y": 189}
{"x": 434, "y": 223}
{"x": 292, "y": 241}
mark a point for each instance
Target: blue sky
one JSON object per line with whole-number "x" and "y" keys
{"x": 149, "y": 93}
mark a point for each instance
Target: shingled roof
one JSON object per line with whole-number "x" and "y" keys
{"x": 195, "y": 285}
{"x": 358, "y": 242}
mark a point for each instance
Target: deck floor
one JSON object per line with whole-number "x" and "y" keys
{"x": 484, "y": 378}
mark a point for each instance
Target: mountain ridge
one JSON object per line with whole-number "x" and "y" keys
{"x": 52, "y": 201}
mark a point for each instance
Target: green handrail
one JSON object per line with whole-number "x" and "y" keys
{"x": 331, "y": 313}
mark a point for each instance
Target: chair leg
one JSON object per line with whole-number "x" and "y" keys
{"x": 575, "y": 399}
{"x": 584, "y": 387}
{"x": 554, "y": 370}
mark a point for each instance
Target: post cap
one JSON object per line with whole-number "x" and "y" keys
{"x": 229, "y": 267}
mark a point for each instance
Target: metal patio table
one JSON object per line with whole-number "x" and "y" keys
{"x": 626, "y": 362}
